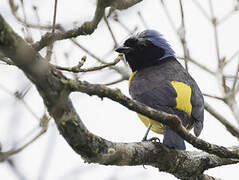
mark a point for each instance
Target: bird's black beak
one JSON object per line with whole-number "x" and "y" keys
{"x": 123, "y": 49}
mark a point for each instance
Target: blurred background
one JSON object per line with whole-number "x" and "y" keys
{"x": 204, "y": 35}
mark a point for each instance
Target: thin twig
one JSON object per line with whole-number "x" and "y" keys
{"x": 181, "y": 32}
{"x": 28, "y": 24}
{"x": 182, "y": 36}
{"x": 227, "y": 16}
{"x": 100, "y": 60}
{"x": 116, "y": 19}
{"x": 166, "y": 11}
{"x": 214, "y": 23}
{"x": 54, "y": 17}
{"x": 12, "y": 152}
{"x": 220, "y": 62}
{"x": 215, "y": 97}
{"x": 205, "y": 68}
{"x": 206, "y": 15}
{"x": 19, "y": 97}
{"x": 230, "y": 127}
{"x": 44, "y": 124}
{"x": 86, "y": 28}
{"x": 235, "y": 54}
{"x": 110, "y": 30}
{"x": 142, "y": 20}
{"x": 88, "y": 51}
{"x": 231, "y": 77}
{"x": 16, "y": 170}
{"x": 7, "y": 154}
{"x": 77, "y": 68}
{"x": 24, "y": 13}
{"x": 74, "y": 69}
{"x": 50, "y": 47}
{"x": 115, "y": 82}
{"x": 25, "y": 19}
{"x": 235, "y": 80}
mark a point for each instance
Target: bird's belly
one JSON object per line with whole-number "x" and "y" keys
{"x": 157, "y": 127}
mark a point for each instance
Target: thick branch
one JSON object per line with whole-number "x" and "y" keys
{"x": 167, "y": 119}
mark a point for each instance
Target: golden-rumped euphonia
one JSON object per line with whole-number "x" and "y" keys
{"x": 160, "y": 81}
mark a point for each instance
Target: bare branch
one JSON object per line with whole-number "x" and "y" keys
{"x": 180, "y": 32}
{"x": 15, "y": 169}
{"x": 214, "y": 23}
{"x": 169, "y": 16}
{"x": 235, "y": 54}
{"x": 206, "y": 15}
{"x": 14, "y": 9}
{"x": 235, "y": 80}
{"x": 115, "y": 82}
{"x": 50, "y": 47}
{"x": 88, "y": 27}
{"x": 77, "y": 68}
{"x": 54, "y": 17}
{"x": 212, "y": 96}
{"x": 5, "y": 155}
{"x": 20, "y": 96}
{"x": 87, "y": 51}
{"x": 115, "y": 17}
{"x": 116, "y": 69}
{"x": 230, "y": 127}
{"x": 232, "y": 103}
{"x": 171, "y": 121}
{"x": 228, "y": 15}
{"x": 205, "y": 68}
{"x": 110, "y": 30}
{"x": 182, "y": 36}
{"x": 142, "y": 20}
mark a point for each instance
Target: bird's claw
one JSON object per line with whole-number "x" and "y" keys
{"x": 153, "y": 139}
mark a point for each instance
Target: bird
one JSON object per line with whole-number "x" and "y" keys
{"x": 159, "y": 81}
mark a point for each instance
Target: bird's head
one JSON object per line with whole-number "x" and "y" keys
{"x": 145, "y": 49}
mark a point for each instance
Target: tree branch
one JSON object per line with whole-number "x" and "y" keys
{"x": 167, "y": 119}
{"x": 77, "y": 68}
{"x": 230, "y": 127}
{"x": 54, "y": 88}
{"x": 88, "y": 27}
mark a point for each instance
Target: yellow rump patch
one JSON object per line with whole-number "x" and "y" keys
{"x": 183, "y": 99}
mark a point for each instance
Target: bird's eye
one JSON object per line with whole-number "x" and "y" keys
{"x": 130, "y": 42}
{"x": 143, "y": 43}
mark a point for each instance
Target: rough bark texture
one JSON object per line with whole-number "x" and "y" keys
{"x": 54, "y": 88}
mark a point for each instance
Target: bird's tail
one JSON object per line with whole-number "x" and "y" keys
{"x": 172, "y": 140}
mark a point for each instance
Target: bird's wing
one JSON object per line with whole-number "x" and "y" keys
{"x": 197, "y": 110}
{"x": 159, "y": 96}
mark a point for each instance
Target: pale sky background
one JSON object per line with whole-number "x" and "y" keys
{"x": 50, "y": 153}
